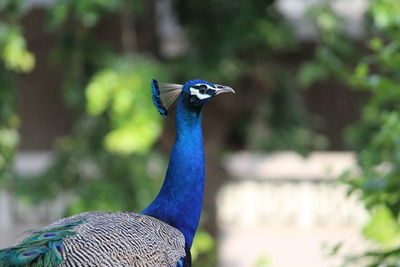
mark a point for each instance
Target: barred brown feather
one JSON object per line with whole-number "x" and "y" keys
{"x": 120, "y": 240}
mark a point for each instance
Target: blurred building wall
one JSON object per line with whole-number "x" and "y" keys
{"x": 288, "y": 211}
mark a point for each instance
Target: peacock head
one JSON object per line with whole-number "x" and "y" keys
{"x": 196, "y": 93}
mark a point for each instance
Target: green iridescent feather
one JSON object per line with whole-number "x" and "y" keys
{"x": 42, "y": 248}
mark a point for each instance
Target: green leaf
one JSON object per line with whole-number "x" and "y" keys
{"x": 383, "y": 228}
{"x": 15, "y": 54}
{"x": 311, "y": 73}
{"x": 376, "y": 44}
{"x": 202, "y": 243}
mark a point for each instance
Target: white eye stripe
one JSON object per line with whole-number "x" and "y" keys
{"x": 202, "y": 84}
{"x": 194, "y": 91}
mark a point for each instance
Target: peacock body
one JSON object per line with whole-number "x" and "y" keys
{"x": 162, "y": 234}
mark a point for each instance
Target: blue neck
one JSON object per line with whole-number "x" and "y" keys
{"x": 179, "y": 201}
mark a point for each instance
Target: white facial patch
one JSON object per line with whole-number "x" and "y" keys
{"x": 196, "y": 92}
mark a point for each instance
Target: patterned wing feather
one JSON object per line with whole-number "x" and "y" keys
{"x": 109, "y": 239}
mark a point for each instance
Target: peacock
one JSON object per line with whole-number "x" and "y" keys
{"x": 161, "y": 234}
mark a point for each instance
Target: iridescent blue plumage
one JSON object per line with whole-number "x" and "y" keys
{"x": 179, "y": 202}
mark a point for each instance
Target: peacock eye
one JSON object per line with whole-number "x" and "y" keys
{"x": 202, "y": 89}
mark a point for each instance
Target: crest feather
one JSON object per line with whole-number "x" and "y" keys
{"x": 169, "y": 92}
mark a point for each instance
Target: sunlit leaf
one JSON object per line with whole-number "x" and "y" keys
{"x": 202, "y": 243}
{"x": 15, "y": 54}
{"x": 383, "y": 228}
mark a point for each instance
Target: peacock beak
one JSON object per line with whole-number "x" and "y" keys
{"x": 223, "y": 89}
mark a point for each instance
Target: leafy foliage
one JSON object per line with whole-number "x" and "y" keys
{"x": 376, "y": 136}
{"x": 119, "y": 92}
{"x": 335, "y": 54}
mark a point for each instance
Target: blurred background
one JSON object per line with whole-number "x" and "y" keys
{"x": 303, "y": 162}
